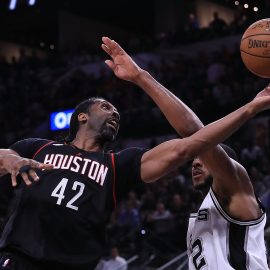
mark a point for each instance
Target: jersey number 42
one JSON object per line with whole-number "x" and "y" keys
{"x": 59, "y": 191}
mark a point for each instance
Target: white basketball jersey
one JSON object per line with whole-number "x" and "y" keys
{"x": 216, "y": 241}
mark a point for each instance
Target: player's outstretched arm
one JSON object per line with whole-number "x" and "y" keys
{"x": 180, "y": 116}
{"x": 169, "y": 155}
{"x": 11, "y": 162}
{"x": 231, "y": 177}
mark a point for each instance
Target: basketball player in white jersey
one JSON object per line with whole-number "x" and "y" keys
{"x": 227, "y": 232}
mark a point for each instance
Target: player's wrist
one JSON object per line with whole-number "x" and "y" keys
{"x": 141, "y": 77}
{"x": 255, "y": 106}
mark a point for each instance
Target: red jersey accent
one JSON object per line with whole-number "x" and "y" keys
{"x": 113, "y": 189}
{"x": 41, "y": 148}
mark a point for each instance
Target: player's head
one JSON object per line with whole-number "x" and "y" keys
{"x": 96, "y": 115}
{"x": 201, "y": 177}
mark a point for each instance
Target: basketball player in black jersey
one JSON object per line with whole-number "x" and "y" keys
{"x": 229, "y": 181}
{"x": 58, "y": 222}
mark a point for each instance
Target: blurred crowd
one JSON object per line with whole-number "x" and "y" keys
{"x": 152, "y": 219}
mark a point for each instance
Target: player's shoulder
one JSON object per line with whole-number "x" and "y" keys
{"x": 130, "y": 151}
{"x": 30, "y": 142}
{"x": 33, "y": 141}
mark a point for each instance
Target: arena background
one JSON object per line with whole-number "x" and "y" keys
{"x": 50, "y": 59}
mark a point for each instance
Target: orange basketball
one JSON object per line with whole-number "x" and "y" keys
{"x": 255, "y": 48}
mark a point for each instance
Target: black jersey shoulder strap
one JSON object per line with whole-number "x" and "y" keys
{"x": 42, "y": 148}
{"x": 113, "y": 181}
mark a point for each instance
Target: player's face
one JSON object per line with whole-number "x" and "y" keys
{"x": 104, "y": 120}
{"x": 200, "y": 175}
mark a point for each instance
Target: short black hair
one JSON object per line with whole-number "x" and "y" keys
{"x": 230, "y": 152}
{"x": 74, "y": 125}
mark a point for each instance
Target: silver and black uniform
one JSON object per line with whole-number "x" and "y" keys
{"x": 216, "y": 241}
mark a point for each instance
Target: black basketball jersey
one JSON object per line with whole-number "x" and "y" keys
{"x": 62, "y": 217}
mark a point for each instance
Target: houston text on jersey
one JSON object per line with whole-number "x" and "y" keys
{"x": 90, "y": 168}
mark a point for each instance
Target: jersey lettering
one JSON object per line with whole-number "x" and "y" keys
{"x": 59, "y": 191}
{"x": 77, "y": 196}
{"x": 90, "y": 168}
{"x": 202, "y": 215}
{"x": 198, "y": 260}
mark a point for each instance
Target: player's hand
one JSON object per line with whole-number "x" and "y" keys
{"x": 16, "y": 165}
{"x": 262, "y": 99}
{"x": 121, "y": 63}
{"x": 265, "y": 92}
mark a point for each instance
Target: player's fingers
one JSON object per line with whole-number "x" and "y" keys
{"x": 26, "y": 178}
{"x": 107, "y": 41}
{"x": 34, "y": 164}
{"x": 43, "y": 166}
{"x": 106, "y": 49}
{"x": 110, "y": 64}
{"x": 33, "y": 175}
{"x": 115, "y": 48}
{"x": 14, "y": 179}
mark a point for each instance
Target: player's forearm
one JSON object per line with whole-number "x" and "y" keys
{"x": 220, "y": 130}
{"x": 180, "y": 116}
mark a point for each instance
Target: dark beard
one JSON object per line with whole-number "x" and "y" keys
{"x": 205, "y": 186}
{"x": 107, "y": 134}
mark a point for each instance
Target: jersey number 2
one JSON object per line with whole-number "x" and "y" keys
{"x": 198, "y": 260}
{"x": 59, "y": 191}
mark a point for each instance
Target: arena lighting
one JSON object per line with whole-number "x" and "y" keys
{"x": 60, "y": 120}
{"x": 31, "y": 2}
{"x": 236, "y": 3}
{"x": 255, "y": 9}
{"x": 245, "y": 5}
{"x": 12, "y": 4}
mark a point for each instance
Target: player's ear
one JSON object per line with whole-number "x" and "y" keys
{"x": 82, "y": 118}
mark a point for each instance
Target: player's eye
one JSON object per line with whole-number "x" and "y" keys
{"x": 105, "y": 106}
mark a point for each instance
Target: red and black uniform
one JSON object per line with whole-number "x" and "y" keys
{"x": 59, "y": 221}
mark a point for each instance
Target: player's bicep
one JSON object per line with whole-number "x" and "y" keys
{"x": 228, "y": 175}
{"x": 162, "y": 159}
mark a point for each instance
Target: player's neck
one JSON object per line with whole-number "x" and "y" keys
{"x": 89, "y": 144}
{"x": 87, "y": 140}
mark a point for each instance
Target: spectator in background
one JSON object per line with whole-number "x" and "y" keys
{"x": 129, "y": 216}
{"x": 116, "y": 262}
{"x": 192, "y": 23}
{"x": 252, "y": 154}
{"x": 161, "y": 212}
{"x": 217, "y": 25}
{"x": 216, "y": 69}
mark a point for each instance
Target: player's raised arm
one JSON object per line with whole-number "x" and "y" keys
{"x": 180, "y": 116}
{"x": 229, "y": 178}
{"x": 165, "y": 157}
{"x": 11, "y": 162}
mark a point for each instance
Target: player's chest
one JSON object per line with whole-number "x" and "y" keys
{"x": 72, "y": 163}
{"x": 62, "y": 191}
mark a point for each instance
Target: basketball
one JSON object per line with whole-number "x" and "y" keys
{"x": 255, "y": 48}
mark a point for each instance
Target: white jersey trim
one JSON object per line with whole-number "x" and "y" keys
{"x": 228, "y": 218}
